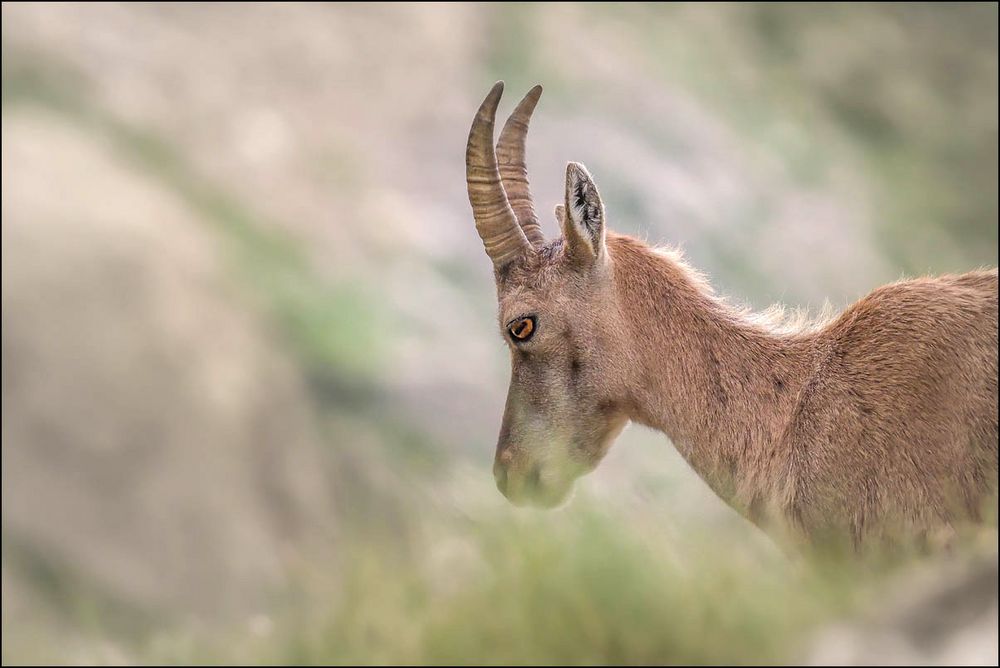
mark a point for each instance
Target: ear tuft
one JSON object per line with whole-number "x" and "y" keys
{"x": 584, "y": 225}
{"x": 560, "y": 213}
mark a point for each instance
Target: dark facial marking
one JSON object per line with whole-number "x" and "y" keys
{"x": 574, "y": 370}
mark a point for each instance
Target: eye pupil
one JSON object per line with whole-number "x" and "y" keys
{"x": 522, "y": 329}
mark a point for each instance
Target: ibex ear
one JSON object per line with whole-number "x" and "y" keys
{"x": 560, "y": 213}
{"x": 583, "y": 221}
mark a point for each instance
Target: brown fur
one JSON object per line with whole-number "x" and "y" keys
{"x": 888, "y": 412}
{"x": 883, "y": 417}
{"x": 879, "y": 421}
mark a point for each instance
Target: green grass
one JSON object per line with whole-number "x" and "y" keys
{"x": 577, "y": 587}
{"x": 580, "y": 590}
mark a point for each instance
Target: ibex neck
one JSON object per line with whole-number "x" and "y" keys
{"x": 721, "y": 386}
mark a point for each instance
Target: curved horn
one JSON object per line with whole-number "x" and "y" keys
{"x": 502, "y": 236}
{"x": 514, "y": 170}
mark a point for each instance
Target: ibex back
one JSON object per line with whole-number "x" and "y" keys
{"x": 885, "y": 416}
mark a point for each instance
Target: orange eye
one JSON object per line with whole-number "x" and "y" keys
{"x": 522, "y": 328}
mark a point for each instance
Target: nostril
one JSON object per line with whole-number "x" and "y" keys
{"x": 504, "y": 457}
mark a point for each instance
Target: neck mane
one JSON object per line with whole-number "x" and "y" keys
{"x": 719, "y": 382}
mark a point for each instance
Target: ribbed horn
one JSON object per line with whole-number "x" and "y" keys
{"x": 502, "y": 236}
{"x": 514, "y": 169}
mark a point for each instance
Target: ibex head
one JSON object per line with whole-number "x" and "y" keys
{"x": 558, "y": 315}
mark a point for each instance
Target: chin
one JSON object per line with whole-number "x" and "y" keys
{"x": 545, "y": 498}
{"x": 553, "y": 501}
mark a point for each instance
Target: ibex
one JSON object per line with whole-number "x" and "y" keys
{"x": 885, "y": 413}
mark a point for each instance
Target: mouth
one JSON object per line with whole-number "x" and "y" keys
{"x": 549, "y": 485}
{"x": 532, "y": 491}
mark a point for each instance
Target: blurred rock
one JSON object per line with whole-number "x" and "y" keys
{"x": 157, "y": 451}
{"x": 942, "y": 616}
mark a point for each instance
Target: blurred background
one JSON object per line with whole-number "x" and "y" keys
{"x": 252, "y": 378}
